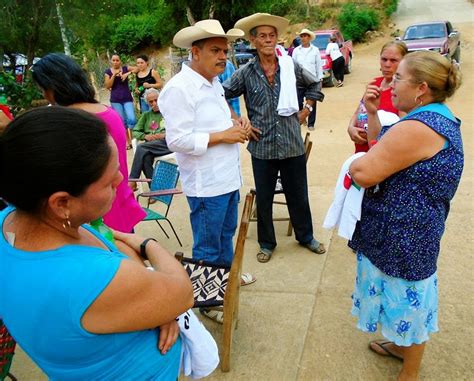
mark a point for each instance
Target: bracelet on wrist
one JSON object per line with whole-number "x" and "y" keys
{"x": 143, "y": 247}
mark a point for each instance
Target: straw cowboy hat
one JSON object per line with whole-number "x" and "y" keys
{"x": 308, "y": 32}
{"x": 260, "y": 19}
{"x": 204, "y": 29}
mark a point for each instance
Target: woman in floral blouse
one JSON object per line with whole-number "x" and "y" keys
{"x": 410, "y": 176}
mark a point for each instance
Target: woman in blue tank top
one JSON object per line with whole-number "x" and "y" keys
{"x": 410, "y": 177}
{"x": 81, "y": 307}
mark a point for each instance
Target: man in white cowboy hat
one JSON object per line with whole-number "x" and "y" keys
{"x": 308, "y": 56}
{"x": 269, "y": 85}
{"x": 200, "y": 130}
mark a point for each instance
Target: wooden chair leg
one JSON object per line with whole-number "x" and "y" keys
{"x": 290, "y": 229}
{"x": 228, "y": 331}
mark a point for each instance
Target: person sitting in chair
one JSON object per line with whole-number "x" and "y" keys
{"x": 149, "y": 128}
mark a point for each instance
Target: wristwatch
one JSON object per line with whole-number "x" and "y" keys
{"x": 143, "y": 247}
{"x": 309, "y": 107}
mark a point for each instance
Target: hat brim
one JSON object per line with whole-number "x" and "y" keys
{"x": 260, "y": 19}
{"x": 186, "y": 36}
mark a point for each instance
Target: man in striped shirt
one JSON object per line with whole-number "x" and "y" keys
{"x": 277, "y": 145}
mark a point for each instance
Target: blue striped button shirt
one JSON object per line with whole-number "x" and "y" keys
{"x": 280, "y": 136}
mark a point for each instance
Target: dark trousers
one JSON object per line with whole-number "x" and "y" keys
{"x": 338, "y": 67}
{"x": 295, "y": 187}
{"x": 312, "y": 114}
{"x": 145, "y": 156}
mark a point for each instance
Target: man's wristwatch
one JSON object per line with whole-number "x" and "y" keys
{"x": 309, "y": 107}
{"x": 143, "y": 247}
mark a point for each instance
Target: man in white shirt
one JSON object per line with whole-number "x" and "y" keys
{"x": 199, "y": 128}
{"x": 308, "y": 56}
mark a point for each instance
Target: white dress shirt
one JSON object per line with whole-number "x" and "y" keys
{"x": 193, "y": 108}
{"x": 310, "y": 59}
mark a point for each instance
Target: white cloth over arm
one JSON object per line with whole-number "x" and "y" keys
{"x": 199, "y": 353}
{"x": 288, "y": 99}
{"x": 346, "y": 208}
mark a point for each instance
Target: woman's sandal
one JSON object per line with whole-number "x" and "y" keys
{"x": 246, "y": 279}
{"x": 264, "y": 255}
{"x": 381, "y": 348}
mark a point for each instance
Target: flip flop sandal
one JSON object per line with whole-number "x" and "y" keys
{"x": 384, "y": 351}
{"x": 246, "y": 279}
{"x": 217, "y": 316}
{"x": 264, "y": 255}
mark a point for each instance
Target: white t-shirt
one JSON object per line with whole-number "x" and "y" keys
{"x": 310, "y": 59}
{"x": 193, "y": 108}
{"x": 333, "y": 50}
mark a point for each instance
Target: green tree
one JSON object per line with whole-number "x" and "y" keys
{"x": 29, "y": 27}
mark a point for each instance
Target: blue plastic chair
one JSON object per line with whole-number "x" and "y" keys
{"x": 162, "y": 189}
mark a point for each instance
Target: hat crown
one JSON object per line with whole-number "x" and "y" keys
{"x": 210, "y": 26}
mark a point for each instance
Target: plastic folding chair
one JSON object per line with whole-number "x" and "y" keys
{"x": 162, "y": 189}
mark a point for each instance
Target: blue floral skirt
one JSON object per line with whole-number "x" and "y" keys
{"x": 407, "y": 311}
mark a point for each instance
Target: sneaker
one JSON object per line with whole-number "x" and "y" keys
{"x": 315, "y": 247}
{"x": 340, "y": 84}
{"x": 217, "y": 316}
{"x": 311, "y": 128}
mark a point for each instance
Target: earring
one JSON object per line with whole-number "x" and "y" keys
{"x": 66, "y": 223}
{"x": 419, "y": 101}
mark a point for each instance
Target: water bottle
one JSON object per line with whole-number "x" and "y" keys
{"x": 103, "y": 229}
{"x": 141, "y": 88}
{"x": 362, "y": 118}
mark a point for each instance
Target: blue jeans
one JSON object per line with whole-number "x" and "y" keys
{"x": 295, "y": 187}
{"x": 144, "y": 106}
{"x": 214, "y": 221}
{"x": 126, "y": 112}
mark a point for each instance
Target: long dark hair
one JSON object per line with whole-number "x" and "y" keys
{"x": 62, "y": 75}
{"x": 51, "y": 149}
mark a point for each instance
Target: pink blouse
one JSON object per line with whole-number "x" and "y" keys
{"x": 126, "y": 212}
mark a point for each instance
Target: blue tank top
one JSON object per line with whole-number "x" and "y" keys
{"x": 403, "y": 218}
{"x": 42, "y": 304}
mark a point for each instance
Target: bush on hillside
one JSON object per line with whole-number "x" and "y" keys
{"x": 354, "y": 21}
{"x": 389, "y": 6}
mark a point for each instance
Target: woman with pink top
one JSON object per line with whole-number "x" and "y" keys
{"x": 64, "y": 83}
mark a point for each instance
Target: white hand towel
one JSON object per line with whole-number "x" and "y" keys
{"x": 199, "y": 353}
{"x": 345, "y": 210}
{"x": 288, "y": 99}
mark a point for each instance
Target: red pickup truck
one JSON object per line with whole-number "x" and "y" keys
{"x": 321, "y": 41}
{"x": 437, "y": 36}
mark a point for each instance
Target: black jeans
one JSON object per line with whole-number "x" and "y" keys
{"x": 295, "y": 187}
{"x": 145, "y": 156}
{"x": 338, "y": 66}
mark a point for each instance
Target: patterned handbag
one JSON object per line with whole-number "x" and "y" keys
{"x": 209, "y": 281}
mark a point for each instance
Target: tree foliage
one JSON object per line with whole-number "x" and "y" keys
{"x": 29, "y": 27}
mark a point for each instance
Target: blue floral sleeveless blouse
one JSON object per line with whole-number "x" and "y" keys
{"x": 403, "y": 217}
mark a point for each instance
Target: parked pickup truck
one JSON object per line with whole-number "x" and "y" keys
{"x": 438, "y": 36}
{"x": 321, "y": 41}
